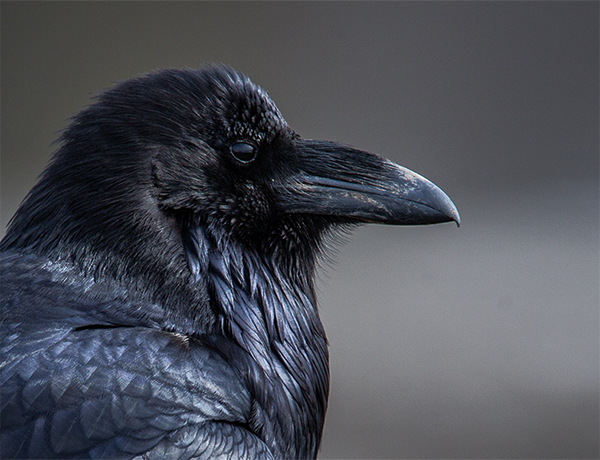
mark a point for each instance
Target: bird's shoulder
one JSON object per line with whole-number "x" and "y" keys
{"x": 40, "y": 292}
{"x": 77, "y": 380}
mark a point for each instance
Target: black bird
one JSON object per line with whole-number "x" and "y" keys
{"x": 157, "y": 283}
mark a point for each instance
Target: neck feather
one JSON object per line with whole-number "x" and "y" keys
{"x": 268, "y": 309}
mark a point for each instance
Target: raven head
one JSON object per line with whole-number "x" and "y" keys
{"x": 230, "y": 160}
{"x": 175, "y": 149}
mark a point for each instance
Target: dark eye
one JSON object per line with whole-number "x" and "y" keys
{"x": 243, "y": 152}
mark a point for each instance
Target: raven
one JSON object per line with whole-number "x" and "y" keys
{"x": 158, "y": 295}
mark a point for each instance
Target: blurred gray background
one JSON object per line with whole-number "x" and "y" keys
{"x": 476, "y": 342}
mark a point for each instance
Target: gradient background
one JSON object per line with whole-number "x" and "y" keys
{"x": 479, "y": 342}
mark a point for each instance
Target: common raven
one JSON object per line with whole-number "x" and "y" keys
{"x": 158, "y": 282}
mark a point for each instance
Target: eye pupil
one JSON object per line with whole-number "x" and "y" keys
{"x": 243, "y": 152}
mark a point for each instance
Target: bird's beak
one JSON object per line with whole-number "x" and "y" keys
{"x": 335, "y": 180}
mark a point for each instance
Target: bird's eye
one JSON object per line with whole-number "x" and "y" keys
{"x": 243, "y": 152}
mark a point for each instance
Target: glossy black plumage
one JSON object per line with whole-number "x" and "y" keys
{"x": 157, "y": 283}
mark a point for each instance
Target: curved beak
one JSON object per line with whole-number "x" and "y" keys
{"x": 335, "y": 180}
